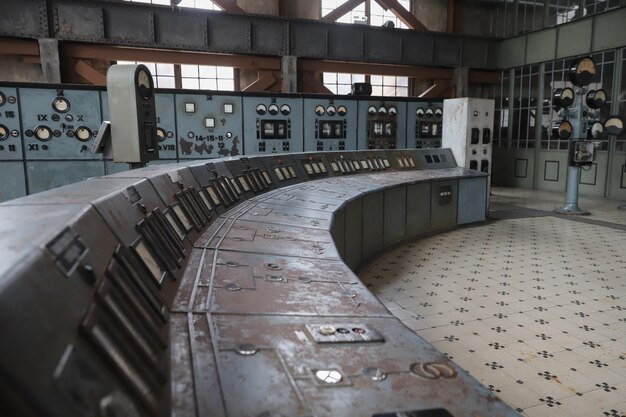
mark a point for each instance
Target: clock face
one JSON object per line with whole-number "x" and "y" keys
{"x": 144, "y": 84}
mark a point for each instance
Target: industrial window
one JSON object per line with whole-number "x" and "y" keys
{"x": 378, "y": 15}
{"x": 620, "y": 144}
{"x": 195, "y": 4}
{"x": 340, "y": 83}
{"x": 389, "y": 86}
{"x": 524, "y": 120}
{"x": 357, "y": 14}
{"x": 369, "y": 12}
{"x": 162, "y": 74}
{"x": 207, "y": 77}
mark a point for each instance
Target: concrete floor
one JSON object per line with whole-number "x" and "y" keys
{"x": 531, "y": 304}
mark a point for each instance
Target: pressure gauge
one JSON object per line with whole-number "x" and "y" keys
{"x": 43, "y": 133}
{"x": 273, "y": 109}
{"x": 342, "y": 110}
{"x": 4, "y": 132}
{"x": 2, "y": 98}
{"x": 382, "y": 110}
{"x": 596, "y": 130}
{"x": 161, "y": 135}
{"x": 82, "y": 133}
{"x": 438, "y": 112}
{"x": 582, "y": 71}
{"x": 145, "y": 85}
{"x": 261, "y": 109}
{"x": 596, "y": 98}
{"x": 319, "y": 110}
{"x": 429, "y": 112}
{"x": 392, "y": 111}
{"x": 331, "y": 110}
{"x": 419, "y": 113}
{"x": 371, "y": 110}
{"x": 285, "y": 110}
{"x": 614, "y": 126}
{"x": 562, "y": 130}
{"x": 61, "y": 104}
{"x": 563, "y": 97}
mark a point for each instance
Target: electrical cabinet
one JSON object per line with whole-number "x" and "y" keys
{"x": 330, "y": 124}
{"x": 10, "y": 131}
{"x": 382, "y": 124}
{"x": 424, "y": 124}
{"x": 272, "y": 125}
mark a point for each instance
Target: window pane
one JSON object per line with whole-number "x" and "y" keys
{"x": 224, "y": 72}
{"x": 330, "y": 77}
{"x": 344, "y": 79}
{"x": 208, "y": 71}
{"x": 191, "y": 83}
{"x": 189, "y": 70}
{"x": 376, "y": 80}
{"x": 227, "y": 85}
{"x": 344, "y": 89}
{"x": 166, "y": 82}
{"x": 165, "y": 69}
{"x": 208, "y": 84}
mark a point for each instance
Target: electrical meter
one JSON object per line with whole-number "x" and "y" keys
{"x": 583, "y": 152}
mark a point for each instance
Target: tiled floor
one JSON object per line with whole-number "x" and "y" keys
{"x": 534, "y": 308}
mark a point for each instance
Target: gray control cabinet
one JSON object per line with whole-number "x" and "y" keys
{"x": 10, "y": 132}
{"x": 329, "y": 124}
{"x": 424, "y": 124}
{"x": 382, "y": 124}
{"x": 45, "y": 175}
{"x": 59, "y": 124}
{"x": 13, "y": 184}
{"x": 272, "y": 125}
{"x": 208, "y": 126}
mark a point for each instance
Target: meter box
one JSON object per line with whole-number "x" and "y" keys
{"x": 583, "y": 152}
{"x": 272, "y": 125}
{"x": 330, "y": 124}
{"x": 468, "y": 131}
{"x": 382, "y": 124}
{"x": 424, "y": 124}
{"x": 59, "y": 123}
{"x": 209, "y": 125}
{"x": 10, "y": 131}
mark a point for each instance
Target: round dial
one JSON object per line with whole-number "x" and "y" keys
{"x": 161, "y": 135}
{"x": 144, "y": 83}
{"x": 82, "y": 133}
{"x": 43, "y": 133}
{"x": 563, "y": 97}
{"x": 273, "y": 109}
{"x": 419, "y": 113}
{"x": 429, "y": 112}
{"x": 438, "y": 112}
{"x": 582, "y": 71}
{"x": 342, "y": 110}
{"x": 614, "y": 126}
{"x": 596, "y": 98}
{"x": 371, "y": 110}
{"x": 331, "y": 110}
{"x": 382, "y": 110}
{"x": 564, "y": 130}
{"x": 4, "y": 132}
{"x": 285, "y": 109}
{"x": 61, "y": 104}
{"x": 596, "y": 130}
{"x": 393, "y": 111}
{"x": 261, "y": 109}
{"x": 319, "y": 110}
{"x": 2, "y": 99}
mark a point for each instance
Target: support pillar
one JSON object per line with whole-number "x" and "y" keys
{"x": 289, "y": 72}
{"x": 461, "y": 81}
{"x": 50, "y": 63}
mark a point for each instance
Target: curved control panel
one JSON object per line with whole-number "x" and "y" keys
{"x": 225, "y": 288}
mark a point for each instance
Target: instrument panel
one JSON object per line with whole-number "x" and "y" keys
{"x": 330, "y": 124}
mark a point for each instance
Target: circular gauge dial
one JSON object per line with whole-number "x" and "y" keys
{"x": 563, "y": 97}
{"x": 4, "y": 132}
{"x": 371, "y": 110}
{"x": 614, "y": 126}
{"x": 342, "y": 110}
{"x": 382, "y": 110}
{"x": 419, "y": 113}
{"x": 564, "y": 129}
{"x": 61, "y": 104}
{"x": 285, "y": 110}
{"x": 582, "y": 71}
{"x": 144, "y": 83}
{"x": 596, "y": 130}
{"x": 319, "y": 110}
{"x": 596, "y": 98}
{"x": 161, "y": 135}
{"x": 331, "y": 110}
{"x": 273, "y": 109}
{"x": 43, "y": 133}
{"x": 2, "y": 99}
{"x": 438, "y": 112}
{"x": 393, "y": 111}
{"x": 261, "y": 109}
{"x": 82, "y": 133}
{"x": 429, "y": 112}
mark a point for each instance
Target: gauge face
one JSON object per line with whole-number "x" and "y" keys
{"x": 319, "y": 110}
{"x": 614, "y": 126}
{"x": 273, "y": 109}
{"x": 43, "y": 133}
{"x": 342, "y": 110}
{"x": 83, "y": 133}
{"x": 144, "y": 84}
{"x": 438, "y": 112}
{"x": 582, "y": 71}
{"x": 565, "y": 129}
{"x": 382, "y": 110}
{"x": 371, "y": 110}
{"x": 392, "y": 111}
{"x": 2, "y": 98}
{"x": 4, "y": 132}
{"x": 331, "y": 110}
{"x": 563, "y": 97}
{"x": 596, "y": 130}
{"x": 261, "y": 109}
{"x": 419, "y": 113}
{"x": 61, "y": 104}
{"x": 429, "y": 112}
{"x": 161, "y": 135}
{"x": 285, "y": 109}
{"x": 596, "y": 98}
